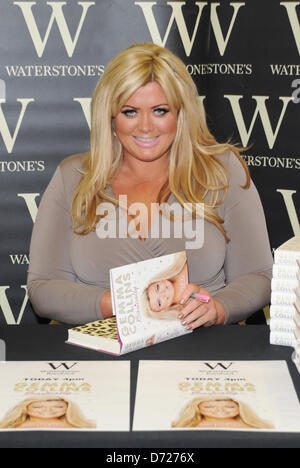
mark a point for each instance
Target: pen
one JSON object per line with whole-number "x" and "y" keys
{"x": 200, "y": 297}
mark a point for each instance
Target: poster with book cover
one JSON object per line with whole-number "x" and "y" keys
{"x": 64, "y": 396}
{"x": 146, "y": 304}
{"x": 216, "y": 395}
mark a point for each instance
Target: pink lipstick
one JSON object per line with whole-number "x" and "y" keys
{"x": 146, "y": 142}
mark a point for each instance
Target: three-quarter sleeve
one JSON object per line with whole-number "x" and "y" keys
{"x": 51, "y": 284}
{"x": 248, "y": 260}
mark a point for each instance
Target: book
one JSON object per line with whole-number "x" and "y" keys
{"x": 282, "y": 312}
{"x": 282, "y": 271}
{"x": 296, "y": 354}
{"x": 65, "y": 396}
{"x": 278, "y": 337}
{"x": 297, "y": 325}
{"x": 297, "y": 298}
{"x": 283, "y": 298}
{"x": 284, "y": 285}
{"x": 98, "y": 334}
{"x": 146, "y": 304}
{"x": 283, "y": 325}
{"x": 289, "y": 252}
{"x": 216, "y": 395}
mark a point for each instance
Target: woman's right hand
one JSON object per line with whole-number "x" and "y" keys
{"x": 197, "y": 314}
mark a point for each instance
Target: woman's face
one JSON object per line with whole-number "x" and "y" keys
{"x": 221, "y": 409}
{"x": 47, "y": 409}
{"x": 146, "y": 126}
{"x": 160, "y": 295}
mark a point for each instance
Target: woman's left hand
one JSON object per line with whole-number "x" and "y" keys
{"x": 197, "y": 314}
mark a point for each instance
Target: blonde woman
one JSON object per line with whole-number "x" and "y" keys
{"x": 211, "y": 411}
{"x": 150, "y": 144}
{"x": 44, "y": 412}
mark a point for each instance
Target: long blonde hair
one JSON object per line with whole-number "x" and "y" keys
{"x": 196, "y": 175}
{"x": 17, "y": 415}
{"x": 190, "y": 416}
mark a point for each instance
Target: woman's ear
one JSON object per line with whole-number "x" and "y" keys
{"x": 113, "y": 126}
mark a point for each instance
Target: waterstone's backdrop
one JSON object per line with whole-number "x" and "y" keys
{"x": 243, "y": 56}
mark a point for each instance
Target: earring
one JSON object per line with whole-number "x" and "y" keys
{"x": 113, "y": 128}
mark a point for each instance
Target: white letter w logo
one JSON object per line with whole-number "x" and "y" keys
{"x": 58, "y": 16}
{"x": 177, "y": 16}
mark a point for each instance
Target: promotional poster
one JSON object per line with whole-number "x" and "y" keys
{"x": 196, "y": 395}
{"x": 64, "y": 396}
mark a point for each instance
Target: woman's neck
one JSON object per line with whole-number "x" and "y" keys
{"x": 144, "y": 171}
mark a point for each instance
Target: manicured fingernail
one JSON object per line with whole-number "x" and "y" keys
{"x": 182, "y": 301}
{"x": 180, "y": 316}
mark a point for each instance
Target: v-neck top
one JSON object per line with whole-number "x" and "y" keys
{"x": 69, "y": 273}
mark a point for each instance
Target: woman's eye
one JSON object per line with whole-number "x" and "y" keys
{"x": 157, "y": 287}
{"x": 161, "y": 111}
{"x": 129, "y": 113}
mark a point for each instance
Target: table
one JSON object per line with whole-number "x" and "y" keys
{"x": 232, "y": 342}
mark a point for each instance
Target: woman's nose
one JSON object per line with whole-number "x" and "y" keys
{"x": 145, "y": 123}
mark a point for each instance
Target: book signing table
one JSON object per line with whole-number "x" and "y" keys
{"x": 214, "y": 345}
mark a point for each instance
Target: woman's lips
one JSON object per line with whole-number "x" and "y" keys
{"x": 146, "y": 142}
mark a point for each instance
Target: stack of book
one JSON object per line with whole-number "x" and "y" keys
{"x": 297, "y": 321}
{"x": 283, "y": 298}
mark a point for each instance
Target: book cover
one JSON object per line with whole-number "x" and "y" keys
{"x": 146, "y": 304}
{"x": 218, "y": 395}
{"x": 97, "y": 335}
{"x": 63, "y": 396}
